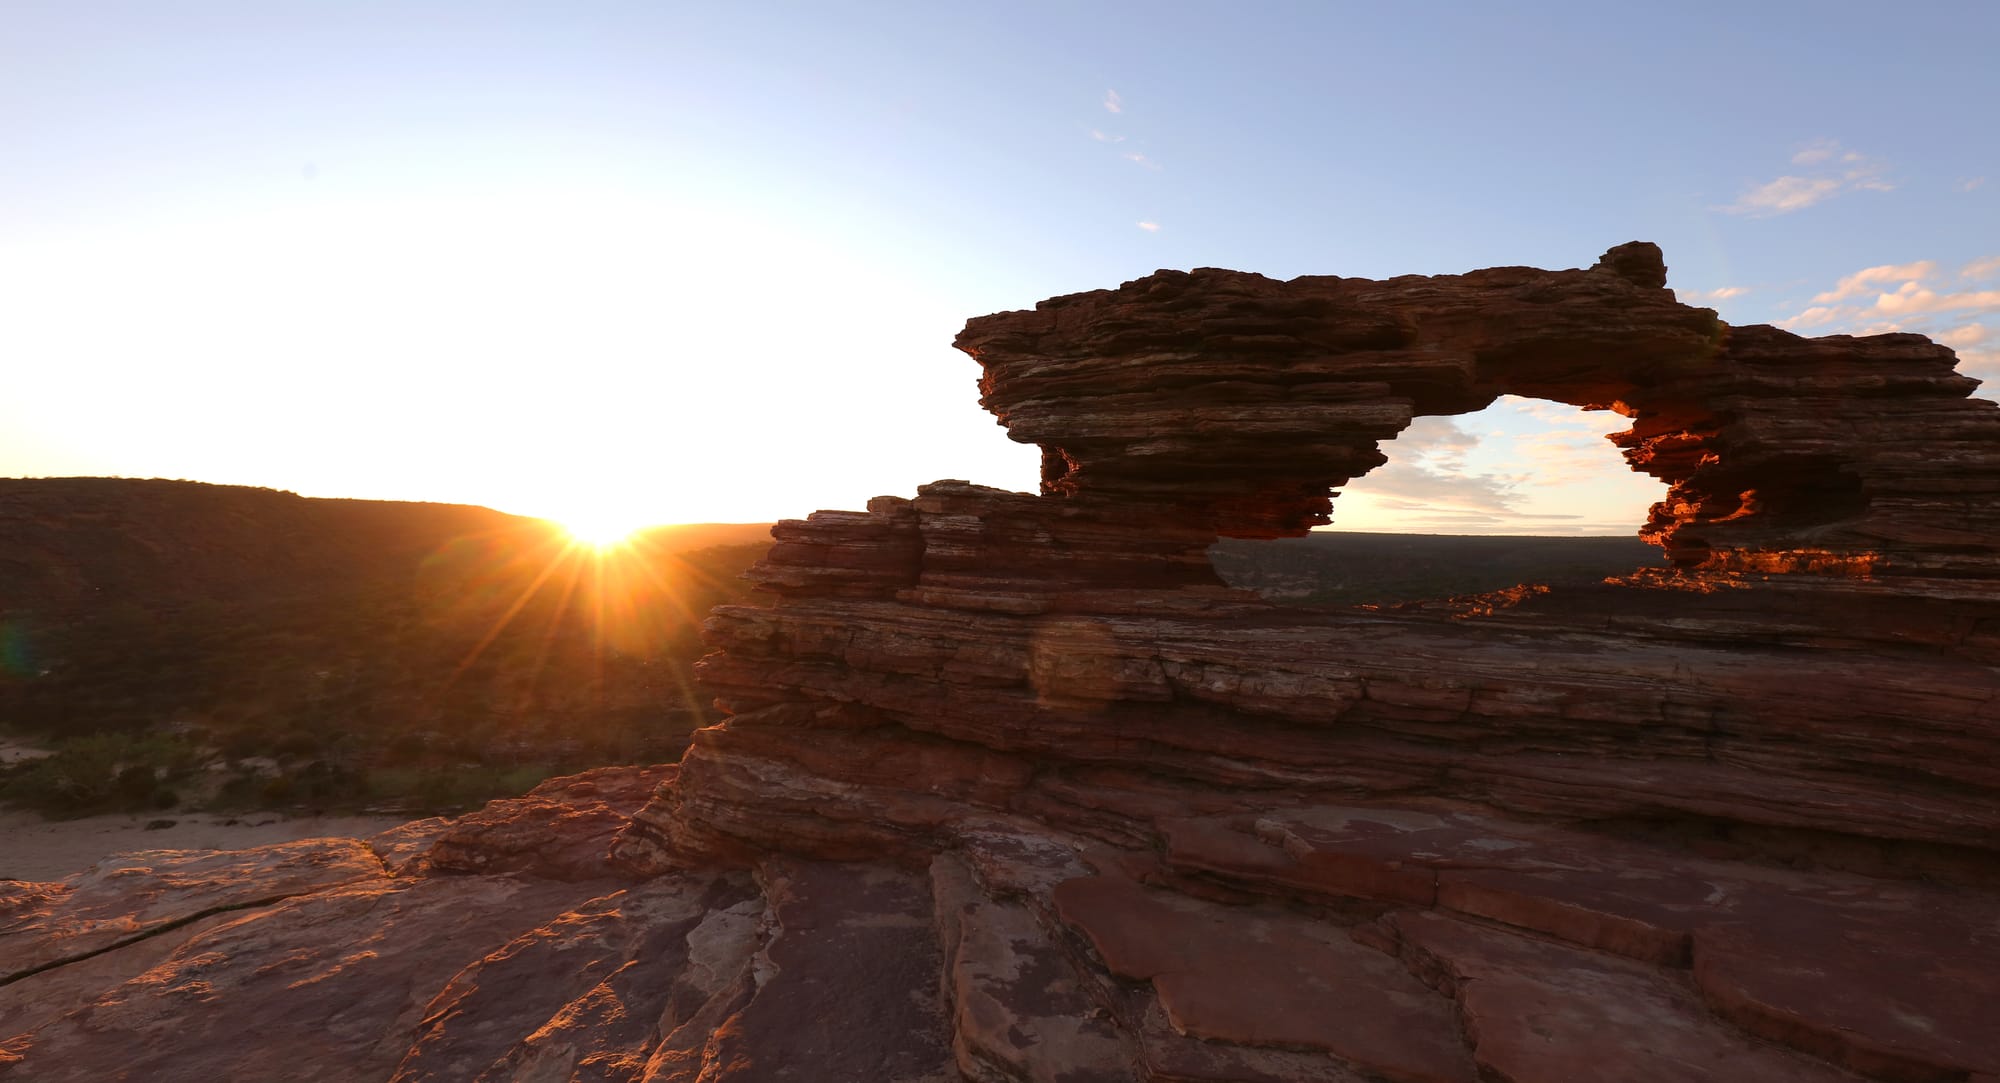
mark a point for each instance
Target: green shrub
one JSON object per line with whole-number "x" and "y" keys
{"x": 135, "y": 785}
{"x": 278, "y": 791}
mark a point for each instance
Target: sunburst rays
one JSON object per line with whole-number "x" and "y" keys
{"x": 635, "y": 594}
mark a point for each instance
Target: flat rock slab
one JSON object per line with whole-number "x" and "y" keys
{"x": 1020, "y": 1010}
{"x": 324, "y": 987}
{"x": 405, "y": 848}
{"x": 1539, "y": 1012}
{"x": 847, "y": 985}
{"x": 1896, "y": 982}
{"x": 1631, "y": 898}
{"x": 1172, "y": 1057}
{"x": 1264, "y": 976}
{"x": 129, "y": 895}
{"x": 50, "y": 994}
{"x": 1894, "y": 979}
{"x": 561, "y": 829}
{"x": 582, "y": 997}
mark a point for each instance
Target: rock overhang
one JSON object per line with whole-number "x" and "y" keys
{"x": 1243, "y": 403}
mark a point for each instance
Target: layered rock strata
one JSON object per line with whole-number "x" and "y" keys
{"x": 1241, "y": 401}
{"x": 1014, "y": 788}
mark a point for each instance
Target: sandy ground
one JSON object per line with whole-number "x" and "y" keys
{"x": 16, "y": 752}
{"x": 32, "y": 848}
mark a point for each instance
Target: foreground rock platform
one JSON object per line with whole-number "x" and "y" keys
{"x": 1014, "y": 788}
{"x": 1302, "y": 941}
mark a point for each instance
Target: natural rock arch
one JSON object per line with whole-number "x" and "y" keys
{"x": 992, "y": 643}
{"x": 1239, "y": 402}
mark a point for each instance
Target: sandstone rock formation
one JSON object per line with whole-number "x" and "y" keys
{"x": 1013, "y": 788}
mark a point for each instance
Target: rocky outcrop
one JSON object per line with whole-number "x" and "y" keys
{"x": 561, "y": 829}
{"x": 1238, "y": 402}
{"x": 1014, "y": 788}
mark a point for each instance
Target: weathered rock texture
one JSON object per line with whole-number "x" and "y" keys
{"x": 1238, "y": 402}
{"x": 1015, "y": 789}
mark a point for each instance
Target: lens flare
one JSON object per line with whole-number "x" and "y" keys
{"x": 599, "y": 531}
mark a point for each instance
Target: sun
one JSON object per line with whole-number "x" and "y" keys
{"x": 600, "y": 530}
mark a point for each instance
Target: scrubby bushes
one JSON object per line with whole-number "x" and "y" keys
{"x": 103, "y": 772}
{"x": 432, "y": 693}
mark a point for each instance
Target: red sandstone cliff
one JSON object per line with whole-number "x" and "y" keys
{"x": 1013, "y": 788}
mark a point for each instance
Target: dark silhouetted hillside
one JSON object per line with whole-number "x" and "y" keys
{"x": 346, "y": 638}
{"x": 1352, "y": 568}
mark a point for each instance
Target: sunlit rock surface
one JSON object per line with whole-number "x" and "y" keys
{"x": 1014, "y": 788}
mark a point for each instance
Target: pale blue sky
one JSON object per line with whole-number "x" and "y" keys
{"x": 705, "y": 261}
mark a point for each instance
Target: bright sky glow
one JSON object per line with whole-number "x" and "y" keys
{"x": 647, "y": 262}
{"x": 601, "y": 530}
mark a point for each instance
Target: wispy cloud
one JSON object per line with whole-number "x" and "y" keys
{"x": 1811, "y": 317}
{"x": 1442, "y": 476}
{"x": 1912, "y": 299}
{"x": 1566, "y": 456}
{"x": 1150, "y": 227}
{"x": 1437, "y": 438}
{"x": 1427, "y": 469}
{"x": 1138, "y": 158}
{"x": 1832, "y": 169}
{"x": 1981, "y": 268}
{"x": 1918, "y": 294}
{"x": 1817, "y": 152}
{"x": 1722, "y": 293}
{"x": 1916, "y": 297}
{"x": 1113, "y": 103}
{"x": 1556, "y": 415}
{"x": 1103, "y": 137}
{"x": 1967, "y": 184}
{"x": 1976, "y": 358}
{"x": 1438, "y": 491}
{"x": 1964, "y": 338}
{"x": 1869, "y": 278}
{"x": 1784, "y": 195}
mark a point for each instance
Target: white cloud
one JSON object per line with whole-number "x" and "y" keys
{"x": 1556, "y": 415}
{"x": 1140, "y": 159}
{"x": 1723, "y": 293}
{"x": 1521, "y": 466}
{"x": 1862, "y": 281}
{"x": 1427, "y": 469}
{"x": 1436, "y": 438}
{"x": 1923, "y": 302}
{"x": 1565, "y": 456}
{"x": 1811, "y": 317}
{"x": 1113, "y": 103}
{"x": 1833, "y": 170}
{"x": 1437, "y": 491}
{"x": 1784, "y": 195}
{"x": 1908, "y": 302}
{"x": 1981, "y": 268}
{"x": 1982, "y": 365}
{"x": 1969, "y": 183}
{"x": 1964, "y": 338}
{"x": 1150, "y": 227}
{"x": 1102, "y": 137}
{"x": 1912, "y": 299}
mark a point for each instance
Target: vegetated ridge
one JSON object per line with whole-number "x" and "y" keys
{"x": 1343, "y": 567}
{"x": 180, "y": 642}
